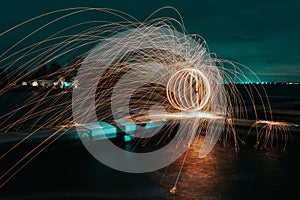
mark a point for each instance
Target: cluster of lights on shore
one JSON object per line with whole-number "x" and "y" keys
{"x": 60, "y": 83}
{"x": 271, "y": 83}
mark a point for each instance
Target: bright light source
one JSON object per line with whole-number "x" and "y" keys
{"x": 34, "y": 83}
{"x": 67, "y": 84}
{"x": 127, "y": 138}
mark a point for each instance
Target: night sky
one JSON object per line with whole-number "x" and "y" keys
{"x": 264, "y": 35}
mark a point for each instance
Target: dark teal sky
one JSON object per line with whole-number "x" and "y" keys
{"x": 264, "y": 35}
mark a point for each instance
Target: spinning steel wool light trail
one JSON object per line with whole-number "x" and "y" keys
{"x": 126, "y": 72}
{"x": 270, "y": 133}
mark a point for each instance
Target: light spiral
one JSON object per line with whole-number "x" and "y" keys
{"x": 144, "y": 62}
{"x": 188, "y": 90}
{"x": 126, "y": 71}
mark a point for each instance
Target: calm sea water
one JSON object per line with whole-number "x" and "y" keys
{"x": 67, "y": 170}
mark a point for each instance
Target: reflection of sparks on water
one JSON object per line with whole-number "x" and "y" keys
{"x": 68, "y": 126}
{"x": 193, "y": 77}
{"x": 231, "y": 134}
{"x": 155, "y": 117}
{"x": 270, "y": 133}
{"x": 182, "y": 115}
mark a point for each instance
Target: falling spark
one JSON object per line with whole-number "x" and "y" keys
{"x": 193, "y": 88}
{"x": 270, "y": 133}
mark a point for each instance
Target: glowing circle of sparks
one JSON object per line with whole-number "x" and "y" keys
{"x": 157, "y": 57}
{"x": 188, "y": 90}
{"x": 152, "y": 73}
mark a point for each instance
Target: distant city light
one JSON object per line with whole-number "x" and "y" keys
{"x": 61, "y": 83}
{"x": 67, "y": 84}
{"x": 75, "y": 83}
{"x": 34, "y": 83}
